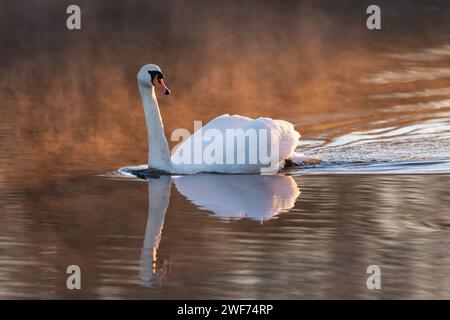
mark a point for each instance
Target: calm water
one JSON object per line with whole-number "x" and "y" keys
{"x": 377, "y": 114}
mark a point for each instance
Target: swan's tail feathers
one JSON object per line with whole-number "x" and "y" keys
{"x": 299, "y": 159}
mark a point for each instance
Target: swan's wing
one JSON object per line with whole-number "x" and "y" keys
{"x": 226, "y": 121}
{"x": 221, "y": 123}
{"x": 282, "y": 133}
{"x": 289, "y": 142}
{"x": 288, "y": 139}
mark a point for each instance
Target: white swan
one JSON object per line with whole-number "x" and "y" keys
{"x": 282, "y": 134}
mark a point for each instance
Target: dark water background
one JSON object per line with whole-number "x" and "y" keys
{"x": 375, "y": 105}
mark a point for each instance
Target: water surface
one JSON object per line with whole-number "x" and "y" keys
{"x": 374, "y": 106}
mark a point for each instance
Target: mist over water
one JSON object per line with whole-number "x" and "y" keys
{"x": 71, "y": 96}
{"x": 372, "y": 104}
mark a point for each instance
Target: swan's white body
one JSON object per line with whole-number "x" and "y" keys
{"x": 282, "y": 134}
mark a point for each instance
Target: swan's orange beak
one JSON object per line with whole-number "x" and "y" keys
{"x": 159, "y": 84}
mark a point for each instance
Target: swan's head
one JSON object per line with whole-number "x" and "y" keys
{"x": 151, "y": 75}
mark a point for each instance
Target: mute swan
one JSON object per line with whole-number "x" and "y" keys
{"x": 281, "y": 144}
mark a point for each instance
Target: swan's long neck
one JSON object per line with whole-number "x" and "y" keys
{"x": 158, "y": 148}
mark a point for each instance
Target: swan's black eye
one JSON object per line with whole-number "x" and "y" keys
{"x": 157, "y": 74}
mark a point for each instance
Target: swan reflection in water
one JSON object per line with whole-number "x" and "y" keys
{"x": 158, "y": 201}
{"x": 229, "y": 197}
